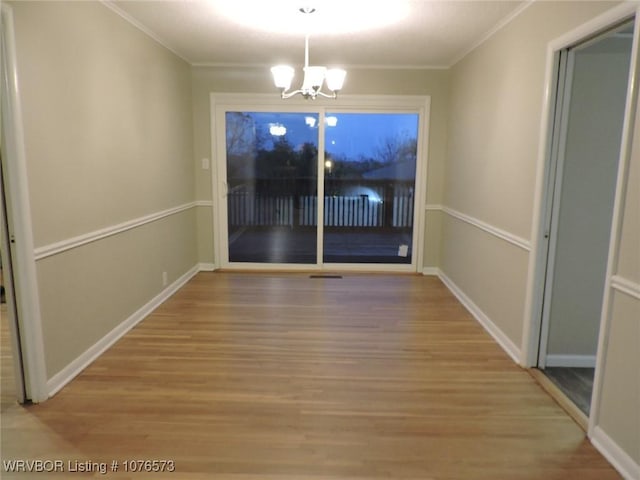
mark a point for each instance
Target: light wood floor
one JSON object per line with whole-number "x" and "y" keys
{"x": 279, "y": 376}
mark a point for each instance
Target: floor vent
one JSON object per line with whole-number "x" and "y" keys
{"x": 325, "y": 276}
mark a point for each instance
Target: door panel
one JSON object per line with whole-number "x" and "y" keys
{"x": 272, "y": 181}
{"x": 583, "y": 199}
{"x": 369, "y": 187}
{"x": 583, "y": 166}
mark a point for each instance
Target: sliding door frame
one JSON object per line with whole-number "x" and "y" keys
{"x": 222, "y": 103}
{"x": 553, "y": 188}
{"x": 25, "y": 285}
{"x": 538, "y": 258}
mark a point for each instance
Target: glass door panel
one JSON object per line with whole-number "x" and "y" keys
{"x": 272, "y": 180}
{"x": 369, "y": 187}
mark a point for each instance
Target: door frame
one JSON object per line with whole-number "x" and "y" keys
{"x": 6, "y": 258}
{"x": 555, "y": 174}
{"x": 23, "y": 259}
{"x": 553, "y": 187}
{"x": 541, "y": 210}
{"x": 220, "y": 102}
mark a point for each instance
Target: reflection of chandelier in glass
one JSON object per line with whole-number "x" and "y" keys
{"x": 330, "y": 121}
{"x": 277, "y": 129}
{"x": 314, "y": 76}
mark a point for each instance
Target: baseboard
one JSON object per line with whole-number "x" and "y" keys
{"x": 206, "y": 267}
{"x": 498, "y": 335}
{"x": 64, "y": 376}
{"x": 577, "y": 361}
{"x": 431, "y": 271}
{"x": 620, "y": 459}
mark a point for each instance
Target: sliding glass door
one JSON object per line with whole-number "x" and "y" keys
{"x": 319, "y": 188}
{"x": 369, "y": 185}
{"x": 272, "y": 178}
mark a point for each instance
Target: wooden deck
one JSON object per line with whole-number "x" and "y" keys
{"x": 298, "y": 245}
{"x": 280, "y": 376}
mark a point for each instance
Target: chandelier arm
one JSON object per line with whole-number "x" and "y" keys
{"x": 307, "y": 94}
{"x": 326, "y": 95}
{"x": 288, "y": 94}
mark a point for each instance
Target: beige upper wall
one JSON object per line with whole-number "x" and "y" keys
{"x": 100, "y": 102}
{"x": 434, "y": 83}
{"x": 494, "y": 120}
{"x": 108, "y": 139}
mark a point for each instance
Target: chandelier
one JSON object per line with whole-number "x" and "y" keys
{"x": 314, "y": 76}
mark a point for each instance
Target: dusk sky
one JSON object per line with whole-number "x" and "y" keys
{"x": 354, "y": 134}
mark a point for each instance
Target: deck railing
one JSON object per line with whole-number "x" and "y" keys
{"x": 347, "y": 203}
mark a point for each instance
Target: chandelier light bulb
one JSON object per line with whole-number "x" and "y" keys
{"x": 282, "y": 76}
{"x": 335, "y": 79}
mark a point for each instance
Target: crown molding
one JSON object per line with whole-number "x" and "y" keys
{"x": 114, "y": 8}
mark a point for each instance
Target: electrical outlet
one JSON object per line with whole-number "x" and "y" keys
{"x": 205, "y": 164}
{"x": 165, "y": 279}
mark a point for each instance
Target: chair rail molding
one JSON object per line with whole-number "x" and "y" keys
{"x": 624, "y": 285}
{"x": 520, "y": 242}
{"x": 77, "y": 241}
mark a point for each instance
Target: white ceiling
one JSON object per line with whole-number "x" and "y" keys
{"x": 433, "y": 33}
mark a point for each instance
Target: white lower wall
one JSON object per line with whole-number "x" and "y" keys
{"x": 76, "y": 366}
{"x": 89, "y": 290}
{"x": 491, "y": 271}
{"x": 620, "y": 395}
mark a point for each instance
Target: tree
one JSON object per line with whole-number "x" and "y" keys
{"x": 397, "y": 148}
{"x": 240, "y": 133}
{"x": 244, "y": 139}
